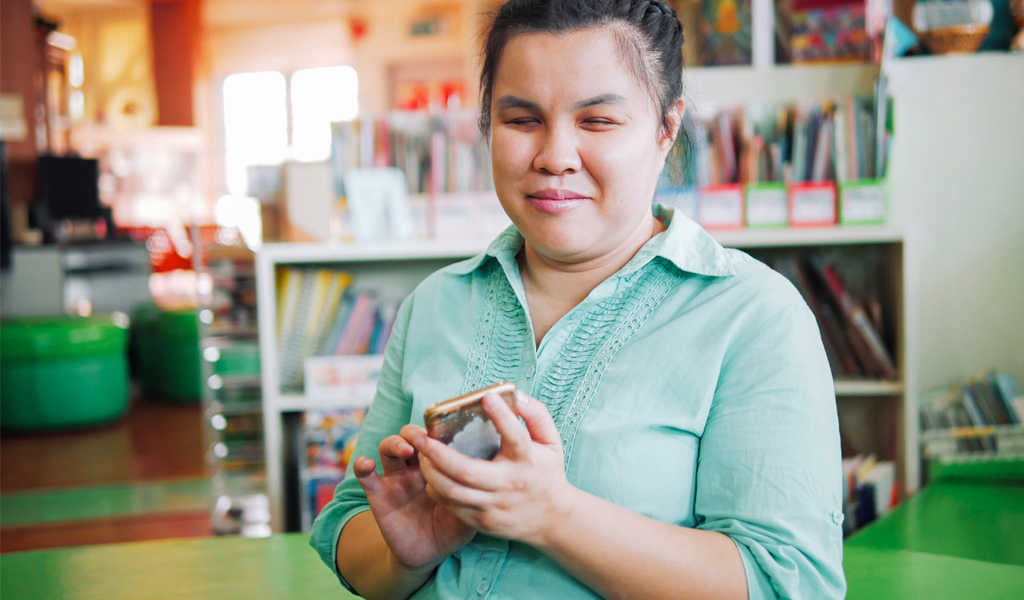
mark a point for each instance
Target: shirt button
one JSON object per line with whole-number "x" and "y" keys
{"x": 530, "y": 370}
{"x": 482, "y": 587}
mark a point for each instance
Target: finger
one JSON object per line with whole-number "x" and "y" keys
{"x": 411, "y": 432}
{"x": 515, "y": 440}
{"x": 394, "y": 454}
{"x": 471, "y": 472}
{"x": 365, "y": 470}
{"x": 451, "y": 493}
{"x": 538, "y": 420}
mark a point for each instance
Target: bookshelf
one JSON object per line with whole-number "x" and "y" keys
{"x": 872, "y": 412}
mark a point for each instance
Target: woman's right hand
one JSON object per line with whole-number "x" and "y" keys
{"x": 420, "y": 532}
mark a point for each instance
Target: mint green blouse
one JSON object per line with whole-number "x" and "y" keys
{"x": 691, "y": 387}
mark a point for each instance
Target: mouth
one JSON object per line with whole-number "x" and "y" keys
{"x": 556, "y": 201}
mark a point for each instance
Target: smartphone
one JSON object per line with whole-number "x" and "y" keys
{"x": 461, "y": 422}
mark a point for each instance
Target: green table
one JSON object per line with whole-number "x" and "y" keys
{"x": 979, "y": 521}
{"x": 954, "y": 539}
{"x": 881, "y": 574}
{"x": 282, "y": 566}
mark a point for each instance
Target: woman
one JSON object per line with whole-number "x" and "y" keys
{"x": 680, "y": 435}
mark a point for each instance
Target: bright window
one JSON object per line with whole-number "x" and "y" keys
{"x": 320, "y": 96}
{"x": 255, "y": 124}
{"x": 256, "y": 117}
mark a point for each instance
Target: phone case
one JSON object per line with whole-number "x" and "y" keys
{"x": 462, "y": 423}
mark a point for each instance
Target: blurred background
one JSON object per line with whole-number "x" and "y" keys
{"x": 211, "y": 209}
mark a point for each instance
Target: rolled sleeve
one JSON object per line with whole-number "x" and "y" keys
{"x": 769, "y": 465}
{"x": 389, "y": 412}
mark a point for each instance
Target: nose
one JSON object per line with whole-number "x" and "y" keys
{"x": 558, "y": 153}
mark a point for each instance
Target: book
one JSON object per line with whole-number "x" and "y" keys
{"x": 862, "y": 332}
{"x": 1010, "y": 393}
{"x": 291, "y": 347}
{"x": 338, "y": 327}
{"x": 323, "y": 279}
{"x": 289, "y": 287}
{"x": 977, "y": 416}
{"x": 880, "y": 482}
{"x": 327, "y": 440}
{"x": 332, "y": 303}
{"x": 974, "y": 389}
{"x": 355, "y": 331}
{"x": 983, "y": 382}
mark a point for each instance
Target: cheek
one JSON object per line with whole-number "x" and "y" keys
{"x": 622, "y": 163}
{"x": 510, "y": 154}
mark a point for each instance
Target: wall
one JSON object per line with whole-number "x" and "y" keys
{"x": 20, "y": 59}
{"x": 174, "y": 29}
{"x": 117, "y": 58}
{"x": 958, "y": 188}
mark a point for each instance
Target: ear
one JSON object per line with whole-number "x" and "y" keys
{"x": 673, "y": 121}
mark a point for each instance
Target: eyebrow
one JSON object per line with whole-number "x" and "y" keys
{"x": 510, "y": 102}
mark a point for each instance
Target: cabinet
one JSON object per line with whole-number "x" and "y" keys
{"x": 873, "y": 413}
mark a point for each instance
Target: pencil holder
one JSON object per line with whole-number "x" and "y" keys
{"x": 767, "y": 205}
{"x": 863, "y": 202}
{"x": 812, "y": 204}
{"x": 721, "y": 206}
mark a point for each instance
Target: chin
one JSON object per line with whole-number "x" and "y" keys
{"x": 557, "y": 244}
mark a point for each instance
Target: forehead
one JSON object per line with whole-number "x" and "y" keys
{"x": 570, "y": 66}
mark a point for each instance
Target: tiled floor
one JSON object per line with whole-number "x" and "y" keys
{"x": 140, "y": 478}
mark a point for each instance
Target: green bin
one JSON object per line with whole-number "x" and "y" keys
{"x": 179, "y": 371}
{"x": 238, "y": 359}
{"x": 144, "y": 347}
{"x": 62, "y": 372}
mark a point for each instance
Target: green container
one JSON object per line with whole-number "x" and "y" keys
{"x": 238, "y": 359}
{"x": 179, "y": 372}
{"x": 144, "y": 347}
{"x": 62, "y": 372}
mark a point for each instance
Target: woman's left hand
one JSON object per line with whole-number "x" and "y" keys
{"x": 520, "y": 494}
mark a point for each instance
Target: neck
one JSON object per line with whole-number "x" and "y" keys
{"x": 567, "y": 283}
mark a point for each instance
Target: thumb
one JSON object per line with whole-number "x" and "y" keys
{"x": 538, "y": 420}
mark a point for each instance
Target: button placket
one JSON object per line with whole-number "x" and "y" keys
{"x": 482, "y": 586}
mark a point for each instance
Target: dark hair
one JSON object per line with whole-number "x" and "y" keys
{"x": 651, "y": 39}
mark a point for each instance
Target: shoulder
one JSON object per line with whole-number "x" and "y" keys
{"x": 752, "y": 292}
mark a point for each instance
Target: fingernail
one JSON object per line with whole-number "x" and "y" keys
{"x": 418, "y": 441}
{"x": 521, "y": 398}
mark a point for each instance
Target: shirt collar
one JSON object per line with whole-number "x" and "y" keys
{"x": 685, "y": 244}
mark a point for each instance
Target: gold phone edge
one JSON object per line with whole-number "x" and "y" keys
{"x": 453, "y": 404}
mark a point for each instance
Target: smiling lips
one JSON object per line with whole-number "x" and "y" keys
{"x": 556, "y": 201}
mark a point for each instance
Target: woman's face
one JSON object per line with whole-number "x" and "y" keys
{"x": 576, "y": 144}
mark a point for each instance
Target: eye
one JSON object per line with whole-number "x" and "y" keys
{"x": 598, "y": 124}
{"x": 523, "y": 122}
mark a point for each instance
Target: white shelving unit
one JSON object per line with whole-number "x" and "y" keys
{"x": 395, "y": 269}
